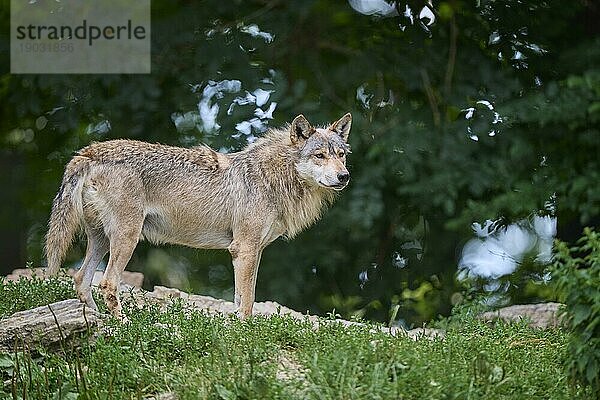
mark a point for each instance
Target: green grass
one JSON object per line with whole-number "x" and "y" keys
{"x": 197, "y": 356}
{"x": 34, "y": 292}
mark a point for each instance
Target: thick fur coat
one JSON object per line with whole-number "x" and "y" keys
{"x": 123, "y": 191}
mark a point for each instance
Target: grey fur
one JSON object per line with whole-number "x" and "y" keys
{"x": 122, "y": 191}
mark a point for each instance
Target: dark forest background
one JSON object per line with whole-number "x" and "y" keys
{"x": 490, "y": 112}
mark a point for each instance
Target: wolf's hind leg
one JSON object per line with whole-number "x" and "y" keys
{"x": 97, "y": 247}
{"x": 123, "y": 240}
{"x": 119, "y": 201}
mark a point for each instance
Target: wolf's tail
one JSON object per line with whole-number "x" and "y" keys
{"x": 67, "y": 213}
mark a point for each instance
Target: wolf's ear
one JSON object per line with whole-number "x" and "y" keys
{"x": 342, "y": 126}
{"x": 301, "y": 129}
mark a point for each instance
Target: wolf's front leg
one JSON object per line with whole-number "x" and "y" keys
{"x": 245, "y": 257}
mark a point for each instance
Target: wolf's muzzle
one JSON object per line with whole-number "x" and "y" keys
{"x": 343, "y": 177}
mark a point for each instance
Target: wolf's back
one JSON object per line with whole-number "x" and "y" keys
{"x": 67, "y": 213}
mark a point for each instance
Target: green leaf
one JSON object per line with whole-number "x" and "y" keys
{"x": 224, "y": 393}
{"x": 6, "y": 361}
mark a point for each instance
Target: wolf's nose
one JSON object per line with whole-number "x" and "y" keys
{"x": 343, "y": 177}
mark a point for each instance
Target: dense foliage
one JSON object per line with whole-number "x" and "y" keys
{"x": 577, "y": 273}
{"x": 486, "y": 113}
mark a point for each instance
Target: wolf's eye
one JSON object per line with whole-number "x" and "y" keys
{"x": 320, "y": 155}
{"x": 341, "y": 154}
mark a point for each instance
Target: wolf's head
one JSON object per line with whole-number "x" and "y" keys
{"x": 323, "y": 151}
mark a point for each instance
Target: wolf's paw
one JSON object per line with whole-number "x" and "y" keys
{"x": 88, "y": 300}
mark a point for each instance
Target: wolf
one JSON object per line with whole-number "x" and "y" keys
{"x": 122, "y": 191}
